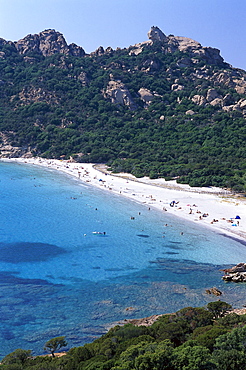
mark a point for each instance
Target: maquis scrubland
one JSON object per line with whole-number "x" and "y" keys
{"x": 166, "y": 107}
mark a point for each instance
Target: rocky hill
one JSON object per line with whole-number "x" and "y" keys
{"x": 46, "y": 43}
{"x": 165, "y": 107}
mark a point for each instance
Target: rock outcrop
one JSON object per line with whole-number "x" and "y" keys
{"x": 75, "y": 50}
{"x": 155, "y": 34}
{"x": 82, "y": 77}
{"x": 226, "y": 102}
{"x": 177, "y": 87}
{"x": 47, "y": 43}
{"x": 9, "y": 151}
{"x": 31, "y": 94}
{"x": 99, "y": 51}
{"x": 117, "y": 92}
{"x": 236, "y": 274}
{"x": 146, "y": 95}
{"x": 138, "y": 48}
{"x": 172, "y": 43}
{"x": 214, "y": 291}
{"x": 199, "y": 99}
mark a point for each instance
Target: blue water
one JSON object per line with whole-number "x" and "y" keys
{"x": 58, "y": 278}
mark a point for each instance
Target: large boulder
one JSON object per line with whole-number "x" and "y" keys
{"x": 118, "y": 93}
{"x": 212, "y": 94}
{"x": 146, "y": 95}
{"x": 199, "y": 99}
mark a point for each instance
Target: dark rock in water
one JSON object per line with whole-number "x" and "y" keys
{"x": 240, "y": 267}
{"x": 238, "y": 277}
{"x": 214, "y": 291}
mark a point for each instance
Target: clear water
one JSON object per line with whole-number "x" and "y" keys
{"x": 58, "y": 278}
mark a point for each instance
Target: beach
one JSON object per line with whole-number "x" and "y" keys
{"x": 52, "y": 259}
{"x": 212, "y": 207}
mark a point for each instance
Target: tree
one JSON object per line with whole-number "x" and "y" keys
{"x": 218, "y": 308}
{"x": 55, "y": 344}
{"x": 206, "y": 336}
{"x": 229, "y": 359}
{"x": 192, "y": 358}
{"x": 236, "y": 339}
{"x": 19, "y": 356}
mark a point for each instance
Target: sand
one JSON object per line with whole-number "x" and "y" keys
{"x": 211, "y": 207}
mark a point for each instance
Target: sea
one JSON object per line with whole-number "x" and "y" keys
{"x": 76, "y": 260}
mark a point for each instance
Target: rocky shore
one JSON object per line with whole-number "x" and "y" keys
{"x": 236, "y": 274}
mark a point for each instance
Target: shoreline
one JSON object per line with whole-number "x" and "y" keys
{"x": 211, "y": 207}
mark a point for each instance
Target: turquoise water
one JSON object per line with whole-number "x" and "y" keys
{"x": 58, "y": 278}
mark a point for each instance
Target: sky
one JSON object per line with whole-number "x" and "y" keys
{"x": 120, "y": 23}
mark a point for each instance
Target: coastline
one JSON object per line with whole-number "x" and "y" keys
{"x": 211, "y": 207}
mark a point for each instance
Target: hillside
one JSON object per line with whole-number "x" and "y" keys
{"x": 167, "y": 107}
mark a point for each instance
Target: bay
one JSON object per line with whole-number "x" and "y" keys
{"x": 75, "y": 259}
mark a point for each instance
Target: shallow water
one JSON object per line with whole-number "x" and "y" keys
{"x": 58, "y": 278}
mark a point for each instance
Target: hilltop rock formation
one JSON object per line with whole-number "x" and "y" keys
{"x": 47, "y": 43}
{"x": 155, "y": 34}
{"x": 50, "y": 42}
{"x": 172, "y": 43}
{"x": 100, "y": 51}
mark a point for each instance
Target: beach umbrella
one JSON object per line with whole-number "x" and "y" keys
{"x": 238, "y": 218}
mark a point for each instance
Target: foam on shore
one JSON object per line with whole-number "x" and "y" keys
{"x": 212, "y": 207}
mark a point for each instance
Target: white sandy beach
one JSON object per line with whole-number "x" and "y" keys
{"x": 211, "y": 207}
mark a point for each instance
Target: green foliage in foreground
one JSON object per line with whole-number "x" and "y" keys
{"x": 190, "y": 339}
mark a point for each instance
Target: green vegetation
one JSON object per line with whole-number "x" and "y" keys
{"x": 189, "y": 339}
{"x": 55, "y": 344}
{"x": 50, "y": 108}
